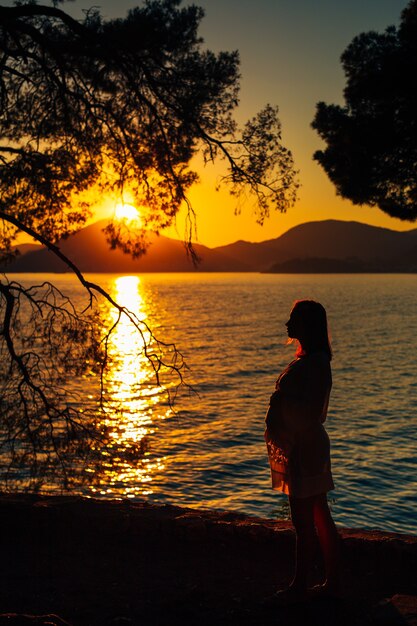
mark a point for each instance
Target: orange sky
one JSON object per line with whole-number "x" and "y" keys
{"x": 290, "y": 54}
{"x": 290, "y": 57}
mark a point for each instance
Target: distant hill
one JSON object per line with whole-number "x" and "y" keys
{"x": 328, "y": 246}
{"x": 319, "y": 265}
{"x": 24, "y": 248}
{"x": 330, "y": 239}
{"x": 90, "y": 251}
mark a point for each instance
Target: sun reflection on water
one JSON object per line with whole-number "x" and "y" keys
{"x": 131, "y": 401}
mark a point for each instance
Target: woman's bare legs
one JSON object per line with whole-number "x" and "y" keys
{"x": 329, "y": 543}
{"x": 302, "y": 516}
{"x": 312, "y": 517}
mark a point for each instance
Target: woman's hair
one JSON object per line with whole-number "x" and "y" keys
{"x": 314, "y": 319}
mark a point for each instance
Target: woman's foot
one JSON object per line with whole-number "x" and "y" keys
{"x": 285, "y": 597}
{"x": 327, "y": 590}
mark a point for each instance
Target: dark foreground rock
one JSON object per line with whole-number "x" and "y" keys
{"x": 99, "y": 563}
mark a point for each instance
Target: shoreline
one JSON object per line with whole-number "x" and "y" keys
{"x": 99, "y": 562}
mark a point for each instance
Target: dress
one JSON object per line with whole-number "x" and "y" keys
{"x": 297, "y": 443}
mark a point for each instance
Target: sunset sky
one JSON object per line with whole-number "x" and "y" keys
{"x": 290, "y": 51}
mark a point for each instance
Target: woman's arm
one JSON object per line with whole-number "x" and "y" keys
{"x": 307, "y": 403}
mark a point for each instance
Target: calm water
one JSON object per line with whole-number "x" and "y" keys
{"x": 230, "y": 328}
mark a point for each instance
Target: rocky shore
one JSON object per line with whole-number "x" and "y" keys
{"x": 87, "y": 562}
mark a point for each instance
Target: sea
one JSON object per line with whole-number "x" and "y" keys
{"x": 207, "y": 450}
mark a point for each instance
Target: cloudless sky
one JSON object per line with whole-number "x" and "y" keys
{"x": 290, "y": 56}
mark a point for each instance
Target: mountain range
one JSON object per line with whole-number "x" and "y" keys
{"x": 326, "y": 246}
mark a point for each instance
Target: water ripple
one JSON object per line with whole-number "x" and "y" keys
{"x": 231, "y": 328}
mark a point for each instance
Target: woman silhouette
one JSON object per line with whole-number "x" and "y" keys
{"x": 299, "y": 448}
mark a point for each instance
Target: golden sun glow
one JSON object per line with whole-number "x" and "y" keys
{"x": 133, "y": 397}
{"x": 127, "y": 212}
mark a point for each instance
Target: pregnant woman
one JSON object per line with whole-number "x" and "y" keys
{"x": 299, "y": 449}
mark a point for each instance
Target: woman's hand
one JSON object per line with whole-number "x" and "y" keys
{"x": 273, "y": 417}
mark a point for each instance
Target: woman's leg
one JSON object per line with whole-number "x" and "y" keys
{"x": 329, "y": 542}
{"x": 302, "y": 516}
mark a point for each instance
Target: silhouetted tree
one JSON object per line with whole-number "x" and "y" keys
{"x": 371, "y": 153}
{"x": 89, "y": 107}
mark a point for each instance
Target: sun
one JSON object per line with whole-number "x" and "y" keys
{"x": 127, "y": 212}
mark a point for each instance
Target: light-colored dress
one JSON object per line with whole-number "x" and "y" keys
{"x": 297, "y": 443}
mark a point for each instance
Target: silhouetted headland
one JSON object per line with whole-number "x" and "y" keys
{"x": 329, "y": 246}
{"x": 97, "y": 562}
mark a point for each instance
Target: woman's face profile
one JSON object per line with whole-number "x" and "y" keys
{"x": 295, "y": 324}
